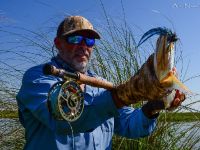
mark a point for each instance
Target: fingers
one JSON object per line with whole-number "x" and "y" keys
{"x": 178, "y": 99}
{"x": 180, "y": 95}
{"x": 177, "y": 102}
{"x": 174, "y": 71}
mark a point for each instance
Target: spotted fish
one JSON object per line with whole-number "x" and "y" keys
{"x": 164, "y": 56}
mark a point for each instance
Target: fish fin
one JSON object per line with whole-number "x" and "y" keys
{"x": 180, "y": 86}
{"x": 176, "y": 83}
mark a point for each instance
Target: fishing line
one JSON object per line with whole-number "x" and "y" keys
{"x": 72, "y": 133}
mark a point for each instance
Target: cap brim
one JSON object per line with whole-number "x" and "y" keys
{"x": 91, "y": 33}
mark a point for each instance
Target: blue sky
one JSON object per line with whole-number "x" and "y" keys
{"x": 180, "y": 15}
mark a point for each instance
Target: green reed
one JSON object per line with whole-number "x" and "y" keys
{"x": 117, "y": 58}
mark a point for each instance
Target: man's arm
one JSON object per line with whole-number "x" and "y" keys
{"x": 33, "y": 97}
{"x": 133, "y": 123}
{"x": 141, "y": 122}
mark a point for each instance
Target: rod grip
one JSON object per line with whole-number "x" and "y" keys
{"x": 95, "y": 82}
{"x": 81, "y": 78}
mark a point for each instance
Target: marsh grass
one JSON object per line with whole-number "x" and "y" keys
{"x": 11, "y": 134}
{"x": 20, "y": 52}
{"x": 116, "y": 58}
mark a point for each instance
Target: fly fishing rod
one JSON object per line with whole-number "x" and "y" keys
{"x": 79, "y": 77}
{"x": 65, "y": 98}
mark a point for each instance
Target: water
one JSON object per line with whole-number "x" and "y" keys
{"x": 191, "y": 132}
{"x": 12, "y": 134}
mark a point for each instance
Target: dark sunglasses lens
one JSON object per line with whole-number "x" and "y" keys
{"x": 74, "y": 39}
{"x": 89, "y": 42}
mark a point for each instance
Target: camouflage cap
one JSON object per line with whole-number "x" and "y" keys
{"x": 76, "y": 24}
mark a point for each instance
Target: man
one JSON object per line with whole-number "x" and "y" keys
{"x": 104, "y": 114}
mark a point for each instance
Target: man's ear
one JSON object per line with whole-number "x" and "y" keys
{"x": 57, "y": 43}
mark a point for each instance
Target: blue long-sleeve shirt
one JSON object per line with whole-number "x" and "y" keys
{"x": 93, "y": 130}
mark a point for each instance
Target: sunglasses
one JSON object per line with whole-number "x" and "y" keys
{"x": 78, "y": 39}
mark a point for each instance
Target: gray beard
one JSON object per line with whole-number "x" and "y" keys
{"x": 77, "y": 66}
{"x": 80, "y": 67}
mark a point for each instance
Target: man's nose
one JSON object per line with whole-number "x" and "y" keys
{"x": 82, "y": 46}
{"x": 83, "y": 43}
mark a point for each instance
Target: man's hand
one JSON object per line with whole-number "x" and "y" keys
{"x": 152, "y": 108}
{"x": 178, "y": 99}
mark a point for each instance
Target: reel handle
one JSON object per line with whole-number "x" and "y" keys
{"x": 79, "y": 77}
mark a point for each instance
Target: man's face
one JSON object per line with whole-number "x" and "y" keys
{"x": 75, "y": 55}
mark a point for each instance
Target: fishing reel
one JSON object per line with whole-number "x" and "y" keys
{"x": 65, "y": 98}
{"x": 66, "y": 101}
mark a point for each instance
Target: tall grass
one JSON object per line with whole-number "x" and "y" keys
{"x": 115, "y": 58}
{"x": 17, "y": 54}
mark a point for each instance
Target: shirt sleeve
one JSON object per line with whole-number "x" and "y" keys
{"x": 32, "y": 97}
{"x": 132, "y": 123}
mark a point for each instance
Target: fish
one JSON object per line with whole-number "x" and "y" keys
{"x": 164, "y": 66}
